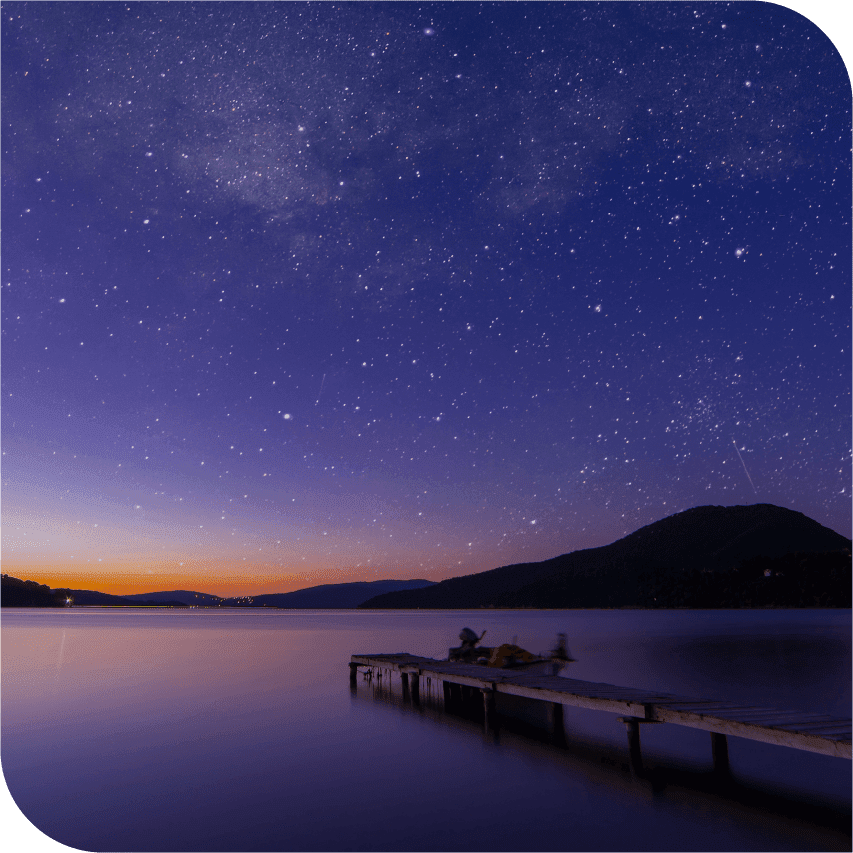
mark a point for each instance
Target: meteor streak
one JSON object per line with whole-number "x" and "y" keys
{"x": 744, "y": 468}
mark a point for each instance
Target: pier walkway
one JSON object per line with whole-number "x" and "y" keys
{"x": 796, "y": 729}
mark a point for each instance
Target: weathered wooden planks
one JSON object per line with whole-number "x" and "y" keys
{"x": 799, "y": 730}
{"x": 789, "y": 735}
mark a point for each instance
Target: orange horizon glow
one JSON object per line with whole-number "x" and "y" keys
{"x": 224, "y": 578}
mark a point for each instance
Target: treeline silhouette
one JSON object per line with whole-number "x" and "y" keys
{"x": 795, "y": 580}
{"x": 26, "y": 593}
{"x": 18, "y": 593}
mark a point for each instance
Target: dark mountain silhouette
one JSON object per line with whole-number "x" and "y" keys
{"x": 328, "y": 596}
{"x": 710, "y": 556}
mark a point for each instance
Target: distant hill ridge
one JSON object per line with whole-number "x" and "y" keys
{"x": 184, "y": 596}
{"x": 335, "y": 595}
{"x": 18, "y": 593}
{"x": 709, "y": 556}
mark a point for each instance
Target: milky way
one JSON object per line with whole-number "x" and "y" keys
{"x": 296, "y": 294}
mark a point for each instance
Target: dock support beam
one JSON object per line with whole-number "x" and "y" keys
{"x": 353, "y": 672}
{"x": 720, "y": 753}
{"x": 416, "y": 688}
{"x": 404, "y": 680}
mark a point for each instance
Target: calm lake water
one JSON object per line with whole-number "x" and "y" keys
{"x": 237, "y": 730}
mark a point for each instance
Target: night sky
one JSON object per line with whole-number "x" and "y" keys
{"x": 311, "y": 293}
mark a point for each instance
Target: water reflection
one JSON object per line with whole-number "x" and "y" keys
{"x": 525, "y": 727}
{"x": 237, "y": 731}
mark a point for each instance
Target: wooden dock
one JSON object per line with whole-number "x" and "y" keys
{"x": 811, "y": 732}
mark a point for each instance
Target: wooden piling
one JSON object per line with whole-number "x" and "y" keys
{"x": 720, "y": 753}
{"x": 555, "y": 717}
{"x": 489, "y": 715}
{"x": 635, "y": 756}
{"x": 353, "y": 672}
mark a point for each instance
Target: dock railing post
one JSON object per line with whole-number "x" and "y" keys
{"x": 720, "y": 754}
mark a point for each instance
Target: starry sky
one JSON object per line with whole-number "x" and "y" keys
{"x": 312, "y": 293}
